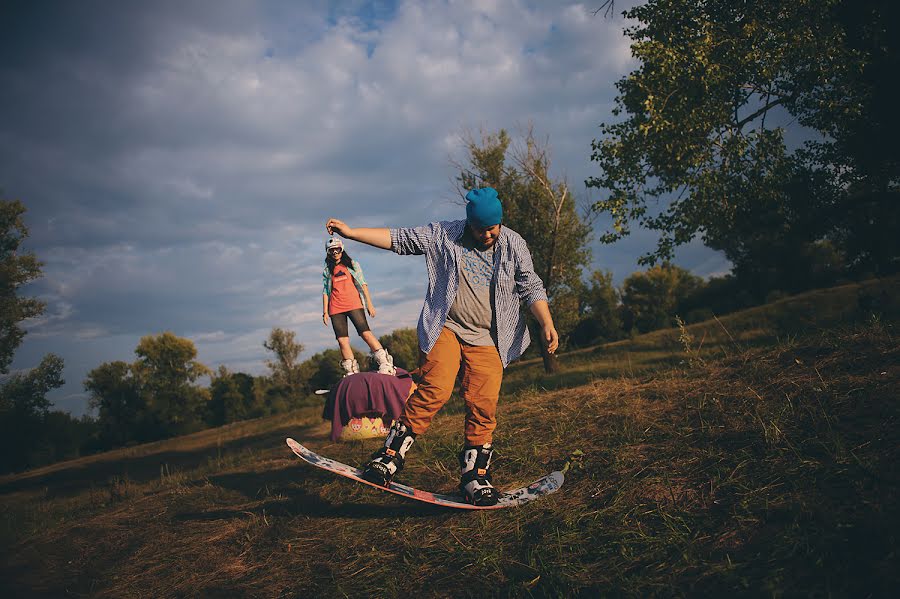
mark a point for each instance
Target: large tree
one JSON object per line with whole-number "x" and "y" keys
{"x": 539, "y": 206}
{"x": 16, "y": 269}
{"x": 285, "y": 368}
{"x": 703, "y": 131}
{"x": 650, "y": 299}
{"x": 167, "y": 371}
{"x": 114, "y": 393}
{"x": 600, "y": 311}
{"x": 231, "y": 397}
{"x": 23, "y": 403}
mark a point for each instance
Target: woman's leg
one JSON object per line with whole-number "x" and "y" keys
{"x": 381, "y": 355}
{"x": 371, "y": 341}
{"x": 346, "y": 350}
{"x": 341, "y": 333}
{"x": 358, "y": 318}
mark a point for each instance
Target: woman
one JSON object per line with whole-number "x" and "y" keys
{"x": 343, "y": 292}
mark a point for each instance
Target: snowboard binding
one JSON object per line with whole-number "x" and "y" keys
{"x": 389, "y": 460}
{"x": 350, "y": 366}
{"x": 384, "y": 361}
{"x": 475, "y": 481}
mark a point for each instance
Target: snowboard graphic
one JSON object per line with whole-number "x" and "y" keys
{"x": 537, "y": 489}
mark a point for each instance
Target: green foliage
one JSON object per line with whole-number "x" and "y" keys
{"x": 403, "y": 345}
{"x": 166, "y": 370}
{"x": 115, "y": 394}
{"x": 539, "y": 207}
{"x": 16, "y": 269}
{"x": 650, "y": 299}
{"x": 268, "y": 398}
{"x": 231, "y": 397}
{"x": 64, "y": 438}
{"x": 23, "y": 409}
{"x": 285, "y": 368}
{"x": 23, "y": 403}
{"x": 600, "y": 316}
{"x": 700, "y": 131}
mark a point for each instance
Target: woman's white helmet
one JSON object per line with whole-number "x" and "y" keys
{"x": 333, "y": 243}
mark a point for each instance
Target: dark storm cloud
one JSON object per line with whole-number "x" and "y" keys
{"x": 179, "y": 159}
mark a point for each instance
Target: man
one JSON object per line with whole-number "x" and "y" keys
{"x": 478, "y": 273}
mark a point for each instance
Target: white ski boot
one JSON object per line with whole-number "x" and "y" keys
{"x": 475, "y": 471}
{"x": 385, "y": 362}
{"x": 350, "y": 367}
{"x": 389, "y": 460}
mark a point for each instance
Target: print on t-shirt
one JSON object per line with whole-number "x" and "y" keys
{"x": 478, "y": 267}
{"x": 344, "y": 295}
{"x": 470, "y": 315}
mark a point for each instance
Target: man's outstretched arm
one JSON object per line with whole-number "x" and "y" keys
{"x": 380, "y": 238}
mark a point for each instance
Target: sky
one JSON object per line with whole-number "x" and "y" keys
{"x": 178, "y": 159}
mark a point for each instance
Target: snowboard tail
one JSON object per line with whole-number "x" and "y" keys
{"x": 539, "y": 488}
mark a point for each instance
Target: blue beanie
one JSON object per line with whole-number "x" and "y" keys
{"x": 483, "y": 208}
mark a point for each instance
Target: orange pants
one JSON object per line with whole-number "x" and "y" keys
{"x": 482, "y": 375}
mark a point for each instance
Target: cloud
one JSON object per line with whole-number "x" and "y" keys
{"x": 179, "y": 160}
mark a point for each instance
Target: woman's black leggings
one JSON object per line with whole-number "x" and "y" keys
{"x": 339, "y": 323}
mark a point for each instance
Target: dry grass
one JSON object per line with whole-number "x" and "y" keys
{"x": 765, "y": 470}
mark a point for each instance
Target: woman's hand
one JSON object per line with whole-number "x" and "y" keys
{"x": 325, "y": 318}
{"x": 338, "y": 226}
{"x": 371, "y": 310}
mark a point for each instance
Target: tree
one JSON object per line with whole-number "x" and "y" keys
{"x": 65, "y": 437}
{"x": 286, "y": 366}
{"x": 23, "y": 403}
{"x": 166, "y": 370}
{"x": 702, "y": 132}
{"x": 23, "y": 410}
{"x": 540, "y": 208}
{"x": 600, "y": 315}
{"x": 16, "y": 269}
{"x": 231, "y": 397}
{"x": 651, "y": 298}
{"x": 115, "y": 394}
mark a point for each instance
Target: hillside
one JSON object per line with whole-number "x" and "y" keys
{"x": 752, "y": 455}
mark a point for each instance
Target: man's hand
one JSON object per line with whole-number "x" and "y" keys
{"x": 551, "y": 338}
{"x": 338, "y": 226}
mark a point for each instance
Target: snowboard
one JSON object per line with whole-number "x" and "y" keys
{"x": 543, "y": 486}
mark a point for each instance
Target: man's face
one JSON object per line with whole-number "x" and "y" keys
{"x": 485, "y": 237}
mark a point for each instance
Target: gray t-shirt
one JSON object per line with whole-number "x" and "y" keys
{"x": 471, "y": 316}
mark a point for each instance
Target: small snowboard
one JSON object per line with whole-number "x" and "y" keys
{"x": 537, "y": 489}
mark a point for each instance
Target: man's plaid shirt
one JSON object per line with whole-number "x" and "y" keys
{"x": 514, "y": 282}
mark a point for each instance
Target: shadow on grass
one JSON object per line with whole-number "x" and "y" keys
{"x": 144, "y": 468}
{"x": 289, "y": 496}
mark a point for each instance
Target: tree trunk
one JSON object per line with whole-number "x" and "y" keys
{"x": 551, "y": 362}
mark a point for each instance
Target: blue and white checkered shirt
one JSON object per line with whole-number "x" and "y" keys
{"x": 514, "y": 282}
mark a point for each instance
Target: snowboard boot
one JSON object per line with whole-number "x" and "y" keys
{"x": 350, "y": 367}
{"x": 389, "y": 460}
{"x": 475, "y": 471}
{"x": 385, "y": 362}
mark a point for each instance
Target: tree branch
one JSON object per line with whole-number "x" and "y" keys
{"x": 769, "y": 105}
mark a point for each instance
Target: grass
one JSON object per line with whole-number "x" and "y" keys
{"x": 747, "y": 467}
